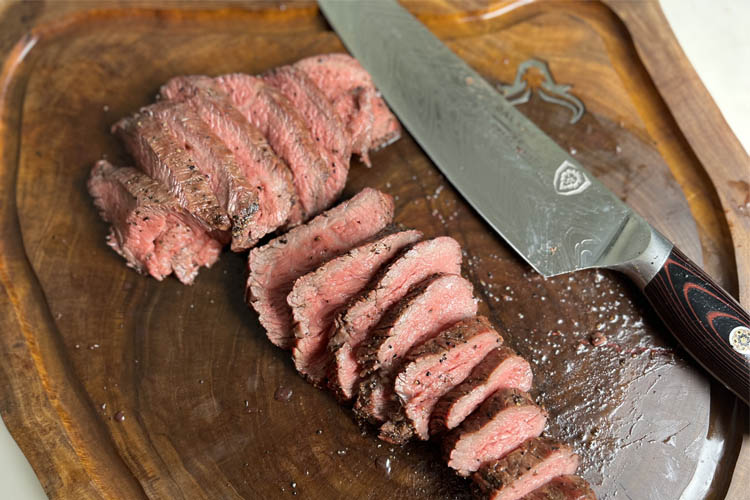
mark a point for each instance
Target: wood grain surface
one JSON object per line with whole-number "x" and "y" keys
{"x": 189, "y": 368}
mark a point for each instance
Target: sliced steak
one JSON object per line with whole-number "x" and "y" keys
{"x": 500, "y": 369}
{"x": 430, "y": 307}
{"x": 505, "y": 420}
{"x": 329, "y": 132}
{"x": 316, "y": 296}
{"x": 566, "y": 487}
{"x": 148, "y": 227}
{"x": 267, "y": 108}
{"x": 349, "y": 87}
{"x": 163, "y": 159}
{"x": 232, "y": 189}
{"x": 433, "y": 369}
{"x": 438, "y": 255}
{"x": 266, "y": 172}
{"x": 275, "y": 266}
{"x": 533, "y": 464}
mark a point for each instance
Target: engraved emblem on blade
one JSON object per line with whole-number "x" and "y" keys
{"x": 739, "y": 338}
{"x": 519, "y": 92}
{"x": 569, "y": 179}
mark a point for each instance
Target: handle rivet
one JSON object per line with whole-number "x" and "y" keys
{"x": 739, "y": 337}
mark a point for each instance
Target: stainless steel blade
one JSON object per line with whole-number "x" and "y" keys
{"x": 536, "y": 195}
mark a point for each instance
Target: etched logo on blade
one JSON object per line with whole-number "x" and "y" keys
{"x": 569, "y": 179}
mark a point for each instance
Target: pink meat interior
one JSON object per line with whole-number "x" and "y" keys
{"x": 505, "y": 432}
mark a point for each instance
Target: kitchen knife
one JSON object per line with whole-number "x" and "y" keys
{"x": 538, "y": 197}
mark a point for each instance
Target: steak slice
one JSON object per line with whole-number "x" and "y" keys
{"x": 533, "y": 464}
{"x": 163, "y": 159}
{"x": 566, "y": 487}
{"x": 232, "y": 189}
{"x": 431, "y": 370}
{"x": 500, "y": 369}
{"x": 267, "y": 173}
{"x": 148, "y": 227}
{"x": 267, "y": 108}
{"x": 327, "y": 129}
{"x": 438, "y": 255}
{"x": 316, "y": 296}
{"x": 349, "y": 87}
{"x": 275, "y": 266}
{"x": 431, "y": 306}
{"x": 505, "y": 420}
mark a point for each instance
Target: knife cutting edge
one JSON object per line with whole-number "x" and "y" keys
{"x": 538, "y": 197}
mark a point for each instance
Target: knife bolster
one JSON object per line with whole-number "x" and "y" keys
{"x": 643, "y": 268}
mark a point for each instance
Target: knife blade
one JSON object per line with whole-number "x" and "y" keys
{"x": 537, "y": 196}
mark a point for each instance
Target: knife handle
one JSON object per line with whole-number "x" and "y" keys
{"x": 709, "y": 323}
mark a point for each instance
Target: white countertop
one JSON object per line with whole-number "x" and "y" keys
{"x": 715, "y": 35}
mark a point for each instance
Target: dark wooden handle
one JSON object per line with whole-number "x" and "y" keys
{"x": 708, "y": 322}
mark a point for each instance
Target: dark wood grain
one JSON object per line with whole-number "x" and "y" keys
{"x": 703, "y": 317}
{"x": 189, "y": 367}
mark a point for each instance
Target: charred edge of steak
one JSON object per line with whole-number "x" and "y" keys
{"x": 434, "y": 358}
{"x": 366, "y": 407}
{"x": 497, "y": 475}
{"x": 157, "y": 154}
{"x": 269, "y": 174}
{"x": 213, "y": 158}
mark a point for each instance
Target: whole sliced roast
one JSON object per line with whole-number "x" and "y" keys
{"x": 274, "y": 267}
{"x": 430, "y": 307}
{"x": 414, "y": 264}
{"x": 149, "y": 228}
{"x": 431, "y": 370}
{"x": 232, "y": 189}
{"x": 505, "y": 420}
{"x": 501, "y": 368}
{"x": 566, "y": 487}
{"x": 316, "y": 297}
{"x": 265, "y": 171}
{"x": 161, "y": 157}
{"x": 525, "y": 469}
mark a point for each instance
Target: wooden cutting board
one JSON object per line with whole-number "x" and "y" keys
{"x": 117, "y": 386}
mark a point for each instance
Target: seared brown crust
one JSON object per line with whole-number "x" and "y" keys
{"x": 479, "y": 376}
{"x": 430, "y": 356}
{"x": 566, "y": 487}
{"x": 232, "y": 189}
{"x": 267, "y": 173}
{"x": 487, "y": 411}
{"x": 499, "y": 474}
{"x": 151, "y": 144}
